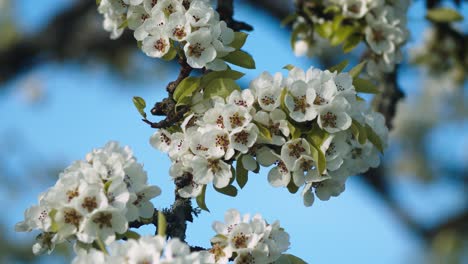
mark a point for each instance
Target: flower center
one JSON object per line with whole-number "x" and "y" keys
{"x": 160, "y": 45}
{"x": 242, "y": 137}
{"x": 72, "y": 194}
{"x": 179, "y": 32}
{"x": 89, "y": 203}
{"x": 222, "y": 141}
{"x": 103, "y": 220}
{"x": 267, "y": 100}
{"x": 295, "y": 150}
{"x": 213, "y": 165}
{"x": 236, "y": 120}
{"x": 240, "y": 240}
{"x": 329, "y": 120}
{"x": 164, "y": 138}
{"x": 196, "y": 50}
{"x": 300, "y": 104}
{"x": 72, "y": 217}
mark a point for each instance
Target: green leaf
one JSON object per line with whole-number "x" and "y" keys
{"x": 242, "y": 175}
{"x": 354, "y": 72}
{"x": 220, "y": 87}
{"x": 325, "y": 30}
{"x": 362, "y": 133}
{"x": 443, "y": 15}
{"x": 294, "y": 260}
{"x": 171, "y": 54}
{"x": 132, "y": 235}
{"x": 336, "y": 23}
{"x": 317, "y": 136}
{"x": 355, "y": 129}
{"x": 140, "y": 105}
{"x": 294, "y": 131}
{"x": 292, "y": 188}
{"x": 239, "y": 40}
{"x": 339, "y": 67}
{"x": 289, "y": 19}
{"x": 319, "y": 158}
{"x": 332, "y": 9}
{"x": 365, "y": 86}
{"x": 241, "y": 59}
{"x": 98, "y": 2}
{"x": 201, "y": 199}
{"x": 351, "y": 42}
{"x": 162, "y": 224}
{"x": 229, "y": 190}
{"x": 374, "y": 138}
{"x": 124, "y": 24}
{"x": 341, "y": 34}
{"x": 184, "y": 91}
{"x": 289, "y": 67}
{"x": 264, "y": 132}
{"x": 186, "y": 86}
{"x": 295, "y": 33}
{"x": 228, "y": 74}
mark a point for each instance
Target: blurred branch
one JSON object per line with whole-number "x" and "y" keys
{"x": 75, "y": 33}
{"x": 386, "y": 102}
{"x": 226, "y": 13}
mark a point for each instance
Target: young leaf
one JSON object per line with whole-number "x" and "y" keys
{"x": 351, "y": 42}
{"x": 295, "y": 260}
{"x": 186, "y": 87}
{"x": 289, "y": 19}
{"x": 374, "y": 138}
{"x": 220, "y": 87}
{"x": 295, "y": 33}
{"x": 242, "y": 175}
{"x": 239, "y": 40}
{"x": 132, "y": 235}
{"x": 354, "y": 72}
{"x": 241, "y": 59}
{"x": 365, "y": 86}
{"x": 264, "y": 132}
{"x": 317, "y": 136}
{"x": 341, "y": 34}
{"x": 162, "y": 224}
{"x": 362, "y": 134}
{"x": 124, "y": 24}
{"x": 228, "y": 74}
{"x": 443, "y": 15}
{"x": 201, "y": 199}
{"x": 325, "y": 30}
{"x": 171, "y": 54}
{"x": 140, "y": 105}
{"x": 292, "y": 188}
{"x": 229, "y": 190}
{"x": 319, "y": 158}
{"x": 294, "y": 131}
{"x": 339, "y": 67}
{"x": 289, "y": 67}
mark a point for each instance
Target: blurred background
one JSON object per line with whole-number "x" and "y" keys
{"x": 66, "y": 88}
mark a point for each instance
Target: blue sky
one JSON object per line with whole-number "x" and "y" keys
{"x": 88, "y": 105}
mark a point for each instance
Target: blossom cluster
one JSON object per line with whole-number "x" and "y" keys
{"x": 252, "y": 240}
{"x": 147, "y": 249}
{"x": 311, "y": 126}
{"x": 382, "y": 24}
{"x": 164, "y": 26}
{"x": 92, "y": 200}
{"x": 244, "y": 239}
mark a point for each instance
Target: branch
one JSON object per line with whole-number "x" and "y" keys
{"x": 167, "y": 107}
{"x": 226, "y": 13}
{"x": 386, "y": 102}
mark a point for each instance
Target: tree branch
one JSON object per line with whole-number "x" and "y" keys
{"x": 226, "y": 13}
